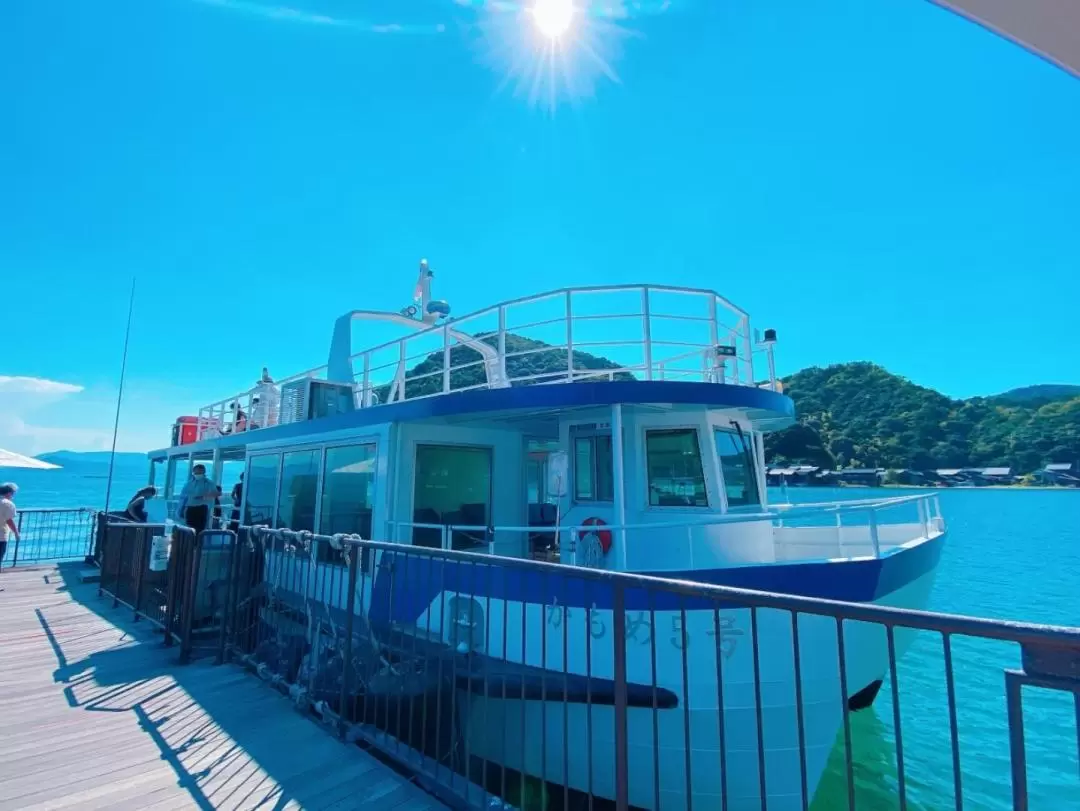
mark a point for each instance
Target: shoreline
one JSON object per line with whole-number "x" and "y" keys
{"x": 942, "y": 489}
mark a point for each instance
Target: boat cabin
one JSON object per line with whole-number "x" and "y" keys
{"x": 621, "y": 447}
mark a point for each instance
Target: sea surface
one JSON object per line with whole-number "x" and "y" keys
{"x": 1011, "y": 554}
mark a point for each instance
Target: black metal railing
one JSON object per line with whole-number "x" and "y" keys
{"x": 610, "y": 690}
{"x": 178, "y": 582}
{"x": 47, "y": 535}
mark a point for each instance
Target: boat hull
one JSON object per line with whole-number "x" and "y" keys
{"x": 702, "y": 659}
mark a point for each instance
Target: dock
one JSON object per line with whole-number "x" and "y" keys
{"x": 96, "y": 713}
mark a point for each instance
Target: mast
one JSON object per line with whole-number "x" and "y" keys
{"x": 120, "y": 396}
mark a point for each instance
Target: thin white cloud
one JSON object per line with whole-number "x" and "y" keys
{"x": 295, "y": 15}
{"x": 36, "y": 385}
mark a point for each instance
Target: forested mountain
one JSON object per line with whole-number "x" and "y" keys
{"x": 860, "y": 415}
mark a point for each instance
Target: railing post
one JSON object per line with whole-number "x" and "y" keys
{"x": 622, "y": 769}
{"x": 446, "y": 359}
{"x": 1017, "y": 753}
{"x": 18, "y": 538}
{"x": 646, "y": 326}
{"x": 174, "y": 573}
{"x": 502, "y": 345}
{"x": 191, "y": 590}
{"x": 569, "y": 338}
{"x": 924, "y": 521}
{"x": 365, "y": 395}
{"x": 874, "y": 533}
{"x": 140, "y": 566}
{"x": 227, "y": 606}
{"x": 352, "y": 555}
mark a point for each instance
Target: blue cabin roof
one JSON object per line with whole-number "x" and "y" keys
{"x": 767, "y": 410}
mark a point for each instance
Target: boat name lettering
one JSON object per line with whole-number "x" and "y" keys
{"x": 639, "y": 628}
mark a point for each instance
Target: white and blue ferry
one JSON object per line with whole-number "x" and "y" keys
{"x": 505, "y": 432}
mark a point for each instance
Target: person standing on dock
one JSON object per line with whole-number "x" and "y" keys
{"x": 196, "y": 498}
{"x": 7, "y": 517}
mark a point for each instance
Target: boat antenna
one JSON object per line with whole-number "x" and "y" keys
{"x": 119, "y": 397}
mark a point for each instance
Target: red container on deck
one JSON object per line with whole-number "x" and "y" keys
{"x": 185, "y": 431}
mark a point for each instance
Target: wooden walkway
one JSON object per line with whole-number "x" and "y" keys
{"x": 95, "y": 713}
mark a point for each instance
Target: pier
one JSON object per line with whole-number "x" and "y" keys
{"x": 96, "y": 713}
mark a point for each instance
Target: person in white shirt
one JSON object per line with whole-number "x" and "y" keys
{"x": 7, "y": 517}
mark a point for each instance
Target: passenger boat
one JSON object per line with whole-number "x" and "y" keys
{"x": 506, "y": 433}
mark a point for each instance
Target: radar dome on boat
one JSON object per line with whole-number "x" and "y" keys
{"x": 438, "y": 307}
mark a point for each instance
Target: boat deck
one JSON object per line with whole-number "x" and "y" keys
{"x": 95, "y": 713}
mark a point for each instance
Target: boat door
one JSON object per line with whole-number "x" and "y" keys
{"x": 452, "y": 497}
{"x": 541, "y": 503}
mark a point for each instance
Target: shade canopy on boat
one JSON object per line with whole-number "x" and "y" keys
{"x": 12, "y": 459}
{"x": 1049, "y": 28}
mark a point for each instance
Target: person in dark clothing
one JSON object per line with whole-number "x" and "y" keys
{"x": 237, "y": 496}
{"x": 136, "y": 508}
{"x": 217, "y": 510}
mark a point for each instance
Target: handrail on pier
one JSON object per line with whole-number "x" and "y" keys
{"x": 353, "y": 629}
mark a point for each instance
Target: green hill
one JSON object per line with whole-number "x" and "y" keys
{"x": 1039, "y": 395}
{"x": 860, "y": 415}
{"x": 528, "y": 359}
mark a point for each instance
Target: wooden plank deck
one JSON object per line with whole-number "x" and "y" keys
{"x": 95, "y": 713}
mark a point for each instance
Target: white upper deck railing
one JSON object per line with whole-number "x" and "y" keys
{"x": 626, "y": 332}
{"x": 839, "y": 530}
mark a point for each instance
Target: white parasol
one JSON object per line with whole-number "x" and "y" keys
{"x": 12, "y": 459}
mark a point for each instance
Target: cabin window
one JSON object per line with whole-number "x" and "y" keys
{"x": 453, "y": 488}
{"x": 736, "y": 456}
{"x": 299, "y": 486}
{"x": 593, "y": 479}
{"x": 676, "y": 477}
{"x": 260, "y": 489}
{"x": 348, "y": 493}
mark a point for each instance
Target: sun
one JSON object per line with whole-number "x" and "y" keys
{"x": 553, "y": 17}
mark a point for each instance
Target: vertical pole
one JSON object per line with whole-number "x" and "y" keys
{"x": 569, "y": 338}
{"x": 142, "y": 535}
{"x": 230, "y": 590}
{"x": 365, "y": 382}
{"x": 191, "y": 592}
{"x": 446, "y": 358}
{"x": 622, "y": 766}
{"x": 352, "y": 554}
{"x": 646, "y": 328}
{"x": 748, "y": 350}
{"x": 874, "y": 534}
{"x": 504, "y": 378}
{"x": 714, "y": 339}
{"x": 620, "y": 488}
{"x": 924, "y": 523}
{"x": 1017, "y": 753}
{"x": 18, "y": 525}
{"x": 119, "y": 397}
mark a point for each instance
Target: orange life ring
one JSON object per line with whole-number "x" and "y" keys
{"x": 603, "y": 535}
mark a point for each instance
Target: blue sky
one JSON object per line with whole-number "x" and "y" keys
{"x": 876, "y": 179}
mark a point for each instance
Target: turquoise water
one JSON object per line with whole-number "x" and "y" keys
{"x": 1011, "y": 554}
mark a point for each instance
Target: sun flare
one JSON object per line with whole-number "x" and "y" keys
{"x": 553, "y": 17}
